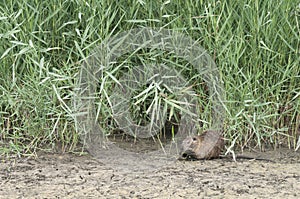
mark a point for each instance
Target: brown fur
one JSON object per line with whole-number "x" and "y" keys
{"x": 208, "y": 145}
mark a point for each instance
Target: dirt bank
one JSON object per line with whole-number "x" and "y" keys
{"x": 71, "y": 176}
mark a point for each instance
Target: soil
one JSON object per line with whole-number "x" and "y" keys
{"x": 74, "y": 176}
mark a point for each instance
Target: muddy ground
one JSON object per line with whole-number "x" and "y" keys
{"x": 73, "y": 176}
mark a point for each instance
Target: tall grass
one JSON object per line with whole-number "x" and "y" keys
{"x": 254, "y": 43}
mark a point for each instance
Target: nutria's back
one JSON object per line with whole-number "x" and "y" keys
{"x": 208, "y": 145}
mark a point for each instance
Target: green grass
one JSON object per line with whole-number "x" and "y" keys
{"x": 255, "y": 44}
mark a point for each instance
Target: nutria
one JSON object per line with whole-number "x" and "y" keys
{"x": 208, "y": 145}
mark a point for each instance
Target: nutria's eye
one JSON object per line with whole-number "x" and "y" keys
{"x": 194, "y": 138}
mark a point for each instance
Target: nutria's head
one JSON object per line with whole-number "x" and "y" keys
{"x": 190, "y": 146}
{"x": 205, "y": 146}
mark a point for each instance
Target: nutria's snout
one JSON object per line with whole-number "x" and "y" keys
{"x": 188, "y": 155}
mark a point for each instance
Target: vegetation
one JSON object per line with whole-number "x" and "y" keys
{"x": 255, "y": 44}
